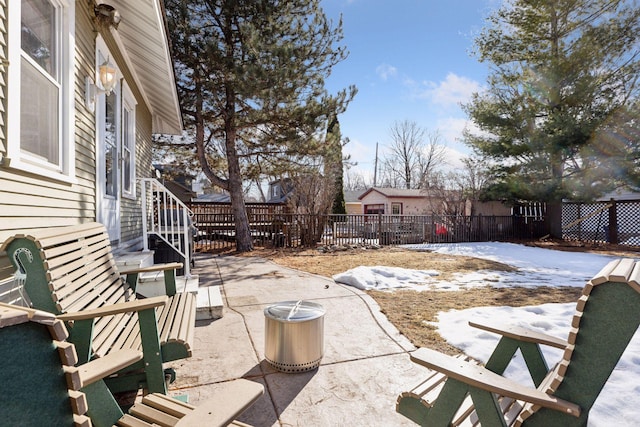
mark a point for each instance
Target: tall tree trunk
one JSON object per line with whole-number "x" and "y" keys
{"x": 243, "y": 235}
{"x": 553, "y": 218}
{"x": 244, "y": 242}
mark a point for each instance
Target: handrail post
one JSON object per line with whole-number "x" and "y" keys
{"x": 186, "y": 230}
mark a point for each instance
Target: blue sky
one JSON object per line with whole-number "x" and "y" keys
{"x": 411, "y": 60}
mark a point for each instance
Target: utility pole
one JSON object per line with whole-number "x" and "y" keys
{"x": 375, "y": 168}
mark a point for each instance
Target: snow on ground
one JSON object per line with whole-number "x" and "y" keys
{"x": 384, "y": 277}
{"x": 619, "y": 402}
{"x": 536, "y": 267}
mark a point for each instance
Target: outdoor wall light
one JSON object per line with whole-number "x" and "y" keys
{"x": 107, "y": 15}
{"x": 107, "y": 74}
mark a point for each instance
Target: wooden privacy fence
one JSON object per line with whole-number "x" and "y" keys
{"x": 280, "y": 229}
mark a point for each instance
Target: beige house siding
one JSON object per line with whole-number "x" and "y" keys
{"x": 30, "y": 201}
{"x": 3, "y": 76}
{"x": 410, "y": 205}
{"x": 353, "y": 208}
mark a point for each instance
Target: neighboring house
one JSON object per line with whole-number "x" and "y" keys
{"x": 397, "y": 201}
{"x": 280, "y": 190}
{"x": 178, "y": 183}
{"x": 213, "y": 198}
{"x": 400, "y": 201}
{"x": 70, "y": 153}
{"x": 352, "y": 203}
{"x": 621, "y": 194}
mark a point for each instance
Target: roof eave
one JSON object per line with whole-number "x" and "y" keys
{"x": 143, "y": 35}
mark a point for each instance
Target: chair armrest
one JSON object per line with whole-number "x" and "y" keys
{"x": 481, "y": 378}
{"x": 97, "y": 369}
{"x": 522, "y": 334}
{"x": 109, "y": 310}
{"x": 226, "y": 403}
{"x": 151, "y": 268}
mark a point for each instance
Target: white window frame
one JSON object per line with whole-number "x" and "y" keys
{"x": 66, "y": 43}
{"x": 128, "y": 134}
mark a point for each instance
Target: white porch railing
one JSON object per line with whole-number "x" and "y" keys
{"x": 166, "y": 217}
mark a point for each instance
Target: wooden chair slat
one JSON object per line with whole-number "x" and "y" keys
{"x": 79, "y": 403}
{"x": 131, "y": 421}
{"x": 67, "y": 352}
{"x": 56, "y": 235}
{"x": 168, "y": 404}
{"x": 68, "y": 264}
{"x": 603, "y": 275}
{"x": 152, "y": 415}
{"x": 634, "y": 277}
{"x": 166, "y": 318}
{"x": 622, "y": 271}
{"x": 109, "y": 331}
{"x": 95, "y": 242}
{"x": 81, "y": 421}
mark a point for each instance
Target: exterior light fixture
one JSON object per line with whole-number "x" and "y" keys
{"x": 107, "y": 15}
{"x": 107, "y": 75}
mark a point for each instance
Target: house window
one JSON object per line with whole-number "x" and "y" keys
{"x": 373, "y": 209}
{"x": 396, "y": 208}
{"x": 111, "y": 140}
{"x": 128, "y": 143}
{"x": 40, "y": 126}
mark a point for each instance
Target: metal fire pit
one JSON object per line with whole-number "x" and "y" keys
{"x": 294, "y": 335}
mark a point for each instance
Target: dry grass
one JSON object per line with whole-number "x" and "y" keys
{"x": 411, "y": 311}
{"x": 328, "y": 264}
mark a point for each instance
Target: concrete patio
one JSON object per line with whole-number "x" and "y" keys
{"x": 364, "y": 368}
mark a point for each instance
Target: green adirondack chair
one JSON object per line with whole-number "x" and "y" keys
{"x": 71, "y": 272}
{"x": 461, "y": 392}
{"x": 40, "y": 386}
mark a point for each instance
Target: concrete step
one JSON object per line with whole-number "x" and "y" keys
{"x": 152, "y": 284}
{"x": 209, "y": 303}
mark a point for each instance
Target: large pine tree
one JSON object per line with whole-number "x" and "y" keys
{"x": 251, "y": 85}
{"x": 563, "y": 83}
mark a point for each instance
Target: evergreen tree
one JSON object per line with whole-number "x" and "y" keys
{"x": 334, "y": 165}
{"x": 251, "y": 85}
{"x": 563, "y": 82}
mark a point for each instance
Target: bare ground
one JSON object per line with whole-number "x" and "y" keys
{"x": 411, "y": 311}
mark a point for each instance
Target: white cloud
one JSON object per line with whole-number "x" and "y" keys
{"x": 451, "y": 129}
{"x": 451, "y": 91}
{"x": 386, "y": 71}
{"x": 359, "y": 152}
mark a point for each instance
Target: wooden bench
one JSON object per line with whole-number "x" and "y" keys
{"x": 70, "y": 272}
{"x": 458, "y": 392}
{"x": 41, "y": 384}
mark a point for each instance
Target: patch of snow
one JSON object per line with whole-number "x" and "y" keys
{"x": 382, "y": 278}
